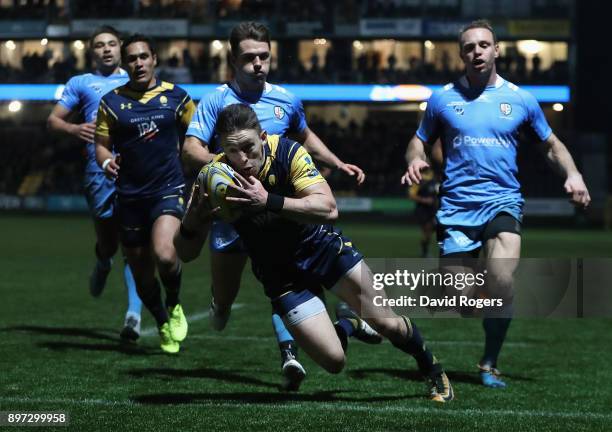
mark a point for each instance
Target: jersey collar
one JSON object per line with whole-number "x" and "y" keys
{"x": 122, "y": 72}
{"x": 499, "y": 81}
{"x": 233, "y": 84}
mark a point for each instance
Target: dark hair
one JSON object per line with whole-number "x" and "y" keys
{"x": 248, "y": 30}
{"x": 104, "y": 29}
{"x": 237, "y": 117}
{"x": 137, "y": 37}
{"x": 479, "y": 23}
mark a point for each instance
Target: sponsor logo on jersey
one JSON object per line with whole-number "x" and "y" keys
{"x": 470, "y": 141}
{"x": 126, "y": 105}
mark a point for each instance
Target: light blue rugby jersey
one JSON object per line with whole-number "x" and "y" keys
{"x": 279, "y": 112}
{"x": 83, "y": 93}
{"x": 479, "y": 133}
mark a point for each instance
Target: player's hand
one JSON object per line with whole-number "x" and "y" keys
{"x": 353, "y": 171}
{"x": 251, "y": 193}
{"x": 199, "y": 211}
{"x": 112, "y": 168}
{"x": 413, "y": 173}
{"x": 85, "y": 131}
{"x": 577, "y": 190}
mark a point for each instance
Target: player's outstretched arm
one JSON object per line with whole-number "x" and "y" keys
{"x": 57, "y": 122}
{"x": 561, "y": 160}
{"x": 195, "y": 154}
{"x": 191, "y": 235}
{"x": 416, "y": 160}
{"x": 317, "y": 149}
{"x": 314, "y": 204}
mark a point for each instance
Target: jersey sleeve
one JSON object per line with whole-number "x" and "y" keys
{"x": 70, "y": 96}
{"x": 536, "y": 120}
{"x": 185, "y": 111}
{"x": 303, "y": 172}
{"x": 105, "y": 119}
{"x": 202, "y": 125}
{"x": 298, "y": 118}
{"x": 429, "y": 129}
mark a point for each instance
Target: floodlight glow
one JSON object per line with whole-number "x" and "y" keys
{"x": 530, "y": 46}
{"x": 14, "y": 106}
{"x": 557, "y": 107}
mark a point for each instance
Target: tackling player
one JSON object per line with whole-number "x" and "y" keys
{"x": 139, "y": 131}
{"x": 82, "y": 94}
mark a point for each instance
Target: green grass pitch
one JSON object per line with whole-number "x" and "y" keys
{"x": 60, "y": 351}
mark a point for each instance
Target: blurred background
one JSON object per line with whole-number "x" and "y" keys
{"x": 395, "y": 51}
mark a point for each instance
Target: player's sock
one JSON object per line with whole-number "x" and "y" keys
{"x": 104, "y": 263}
{"x": 424, "y": 248}
{"x": 414, "y": 345}
{"x": 134, "y": 302}
{"x": 495, "y": 325}
{"x": 151, "y": 297}
{"x": 172, "y": 284}
{"x": 281, "y": 332}
{"x": 345, "y": 327}
{"x": 495, "y": 334}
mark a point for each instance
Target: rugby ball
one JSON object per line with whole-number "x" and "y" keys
{"x": 214, "y": 179}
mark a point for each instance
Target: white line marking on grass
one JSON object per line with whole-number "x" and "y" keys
{"x": 429, "y": 341}
{"x": 150, "y": 331}
{"x": 290, "y": 405}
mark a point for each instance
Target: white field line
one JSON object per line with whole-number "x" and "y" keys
{"x": 300, "y": 406}
{"x": 150, "y": 331}
{"x": 216, "y": 335}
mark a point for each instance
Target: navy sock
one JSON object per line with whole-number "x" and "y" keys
{"x": 414, "y": 345}
{"x": 345, "y": 327}
{"x": 151, "y": 298}
{"x": 105, "y": 263}
{"x": 172, "y": 284}
{"x": 495, "y": 334}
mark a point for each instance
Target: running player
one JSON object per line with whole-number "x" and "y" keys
{"x": 478, "y": 119}
{"x": 82, "y": 94}
{"x": 139, "y": 131}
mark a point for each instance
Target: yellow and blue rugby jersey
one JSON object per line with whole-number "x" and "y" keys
{"x": 147, "y": 130}
{"x": 270, "y": 238}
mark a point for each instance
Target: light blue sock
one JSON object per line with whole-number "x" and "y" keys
{"x": 282, "y": 334}
{"x": 134, "y": 302}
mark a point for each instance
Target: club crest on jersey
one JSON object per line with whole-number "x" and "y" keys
{"x": 279, "y": 112}
{"x": 505, "y": 108}
{"x": 164, "y": 100}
